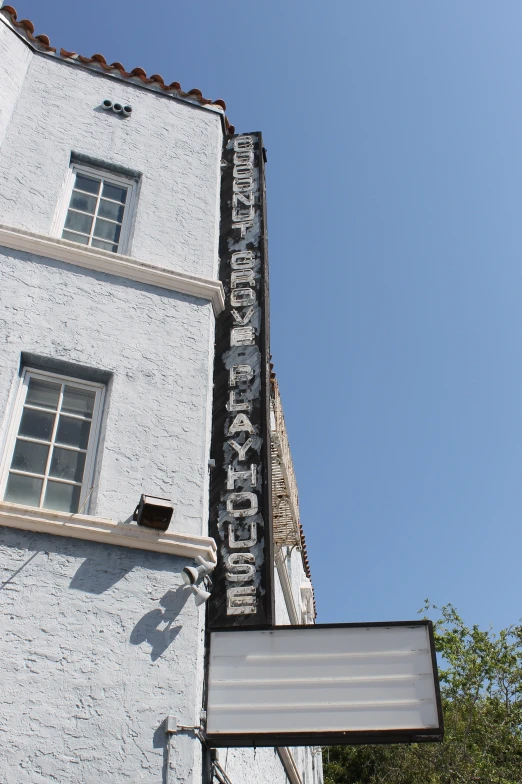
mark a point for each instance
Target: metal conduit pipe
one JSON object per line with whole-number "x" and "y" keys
{"x": 289, "y": 765}
{"x": 220, "y": 773}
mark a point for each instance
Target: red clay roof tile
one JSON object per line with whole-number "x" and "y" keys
{"x": 42, "y": 42}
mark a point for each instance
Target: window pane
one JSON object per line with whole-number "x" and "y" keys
{"x": 89, "y": 184}
{"x": 68, "y": 235}
{"x": 74, "y": 432}
{"x": 78, "y": 401}
{"x": 66, "y": 464}
{"x": 104, "y": 245}
{"x": 30, "y": 457}
{"x": 80, "y": 201}
{"x": 78, "y": 222}
{"x": 107, "y": 231}
{"x": 43, "y": 393}
{"x": 114, "y": 192}
{"x": 36, "y": 424}
{"x": 108, "y": 209}
{"x": 63, "y": 498}
{"x": 23, "y": 490}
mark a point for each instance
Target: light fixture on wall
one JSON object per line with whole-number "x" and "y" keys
{"x": 191, "y": 575}
{"x": 153, "y": 512}
{"x": 200, "y": 595}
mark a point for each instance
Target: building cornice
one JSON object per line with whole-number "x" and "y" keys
{"x": 99, "y": 529}
{"x": 113, "y": 264}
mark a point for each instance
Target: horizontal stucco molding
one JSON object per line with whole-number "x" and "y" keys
{"x": 99, "y": 529}
{"x": 113, "y": 264}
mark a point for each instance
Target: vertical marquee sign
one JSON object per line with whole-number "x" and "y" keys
{"x": 240, "y": 508}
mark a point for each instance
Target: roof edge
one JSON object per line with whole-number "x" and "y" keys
{"x": 98, "y": 64}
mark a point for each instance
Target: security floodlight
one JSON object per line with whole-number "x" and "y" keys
{"x": 200, "y": 595}
{"x": 195, "y": 574}
{"x": 153, "y": 512}
{"x": 192, "y": 575}
{"x": 207, "y": 565}
{"x": 189, "y": 575}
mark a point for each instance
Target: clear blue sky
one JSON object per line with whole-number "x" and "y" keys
{"x": 394, "y": 136}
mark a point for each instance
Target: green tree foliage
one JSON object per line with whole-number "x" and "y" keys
{"x": 481, "y": 685}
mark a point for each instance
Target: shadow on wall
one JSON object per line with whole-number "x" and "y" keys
{"x": 102, "y": 568}
{"x": 17, "y": 571}
{"x": 148, "y": 628}
{"x": 160, "y": 740}
{"x": 95, "y": 577}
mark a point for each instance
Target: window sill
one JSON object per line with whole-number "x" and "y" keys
{"x": 113, "y": 264}
{"x": 99, "y": 529}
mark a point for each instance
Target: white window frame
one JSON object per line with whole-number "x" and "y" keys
{"x": 112, "y": 178}
{"x": 92, "y": 445}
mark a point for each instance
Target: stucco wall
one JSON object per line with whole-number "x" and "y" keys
{"x": 282, "y": 617}
{"x": 264, "y": 766}
{"x": 297, "y": 576}
{"x": 246, "y": 766}
{"x": 309, "y": 763}
{"x": 14, "y": 61}
{"x": 99, "y": 644}
{"x": 175, "y": 146}
{"x": 293, "y": 563}
{"x": 158, "y": 345}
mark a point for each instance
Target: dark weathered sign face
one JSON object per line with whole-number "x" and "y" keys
{"x": 240, "y": 509}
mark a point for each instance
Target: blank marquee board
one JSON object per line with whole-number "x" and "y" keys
{"x": 323, "y": 685}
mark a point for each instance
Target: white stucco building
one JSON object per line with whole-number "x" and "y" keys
{"x": 109, "y": 288}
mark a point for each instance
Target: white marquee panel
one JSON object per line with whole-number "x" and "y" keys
{"x": 322, "y": 679}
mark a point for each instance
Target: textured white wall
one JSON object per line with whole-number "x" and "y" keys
{"x": 293, "y": 563}
{"x": 297, "y": 576}
{"x": 281, "y": 611}
{"x": 99, "y": 644}
{"x": 175, "y": 146}
{"x": 263, "y": 766}
{"x": 246, "y": 766}
{"x": 309, "y": 763}
{"x": 14, "y": 61}
{"x": 158, "y": 344}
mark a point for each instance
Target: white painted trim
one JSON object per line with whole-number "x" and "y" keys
{"x": 113, "y": 264}
{"x": 88, "y": 473}
{"x": 286, "y": 587}
{"x": 99, "y": 529}
{"x": 285, "y": 755}
{"x": 98, "y": 172}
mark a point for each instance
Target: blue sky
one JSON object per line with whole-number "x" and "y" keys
{"x": 394, "y": 137}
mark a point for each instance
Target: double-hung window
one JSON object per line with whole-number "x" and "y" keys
{"x": 99, "y": 210}
{"x": 53, "y": 441}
